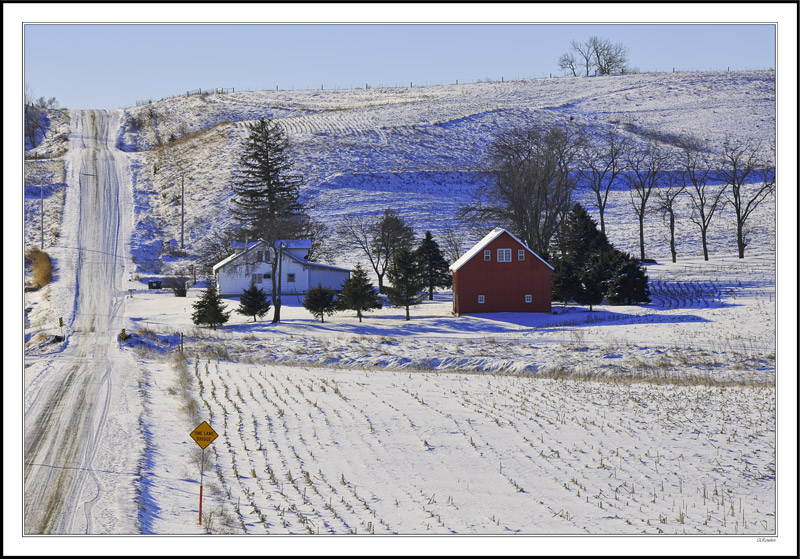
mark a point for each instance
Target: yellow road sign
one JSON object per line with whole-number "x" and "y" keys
{"x": 203, "y": 435}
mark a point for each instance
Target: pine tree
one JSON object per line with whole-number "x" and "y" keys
{"x": 358, "y": 294}
{"x": 579, "y": 242}
{"x": 579, "y": 238}
{"x": 407, "y": 283}
{"x": 628, "y": 283}
{"x": 267, "y": 194}
{"x": 209, "y": 309}
{"x": 432, "y": 265}
{"x": 264, "y": 186}
{"x": 588, "y": 266}
{"x": 590, "y": 289}
{"x": 253, "y": 302}
{"x": 563, "y": 282}
{"x": 320, "y": 301}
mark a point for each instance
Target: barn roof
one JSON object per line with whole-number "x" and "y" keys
{"x": 496, "y": 232}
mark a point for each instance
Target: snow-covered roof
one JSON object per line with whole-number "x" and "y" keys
{"x": 496, "y": 232}
{"x": 299, "y": 243}
{"x": 238, "y": 244}
{"x": 316, "y": 264}
{"x": 296, "y": 244}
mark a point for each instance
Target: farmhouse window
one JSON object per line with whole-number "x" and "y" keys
{"x": 487, "y": 255}
{"x": 481, "y": 299}
{"x": 504, "y": 255}
{"x": 520, "y": 255}
{"x": 257, "y": 278}
{"x": 528, "y": 298}
{"x": 290, "y": 278}
{"x": 259, "y": 256}
{"x": 267, "y": 276}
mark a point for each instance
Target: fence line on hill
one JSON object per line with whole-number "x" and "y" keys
{"x": 367, "y": 86}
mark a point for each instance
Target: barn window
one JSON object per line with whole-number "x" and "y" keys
{"x": 257, "y": 278}
{"x": 290, "y": 278}
{"x": 487, "y": 255}
{"x": 520, "y": 255}
{"x": 481, "y": 299}
{"x": 528, "y": 298}
{"x": 504, "y": 255}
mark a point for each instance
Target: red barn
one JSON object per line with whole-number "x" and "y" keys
{"x": 501, "y": 274}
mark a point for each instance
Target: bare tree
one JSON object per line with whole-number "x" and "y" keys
{"x": 585, "y": 52}
{"x": 603, "y": 161}
{"x": 319, "y": 234}
{"x": 597, "y": 54}
{"x": 379, "y": 237}
{"x": 35, "y": 113}
{"x": 704, "y": 199}
{"x": 646, "y": 167}
{"x": 452, "y": 243}
{"x": 215, "y": 247}
{"x": 609, "y": 58}
{"x": 567, "y": 61}
{"x": 667, "y": 197}
{"x": 177, "y": 283}
{"x": 530, "y": 183}
{"x": 742, "y": 164}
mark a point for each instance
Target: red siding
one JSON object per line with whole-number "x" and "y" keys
{"x": 503, "y": 284}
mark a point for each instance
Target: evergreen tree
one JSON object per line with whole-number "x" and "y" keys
{"x": 253, "y": 302}
{"x": 579, "y": 242}
{"x": 563, "y": 282}
{"x": 209, "y": 309}
{"x": 590, "y": 289}
{"x": 358, "y": 294}
{"x": 628, "y": 282}
{"x": 579, "y": 239}
{"x": 432, "y": 265}
{"x": 320, "y": 301}
{"x": 589, "y": 267}
{"x": 407, "y": 282}
{"x": 267, "y": 194}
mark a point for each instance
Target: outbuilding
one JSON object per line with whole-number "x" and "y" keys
{"x": 501, "y": 274}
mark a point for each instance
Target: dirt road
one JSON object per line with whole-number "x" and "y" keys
{"x": 74, "y": 480}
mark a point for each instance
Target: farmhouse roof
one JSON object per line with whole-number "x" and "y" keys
{"x": 302, "y": 243}
{"x": 496, "y": 232}
{"x": 315, "y": 264}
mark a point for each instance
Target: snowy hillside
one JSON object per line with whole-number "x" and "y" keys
{"x": 416, "y": 150}
{"x": 645, "y": 419}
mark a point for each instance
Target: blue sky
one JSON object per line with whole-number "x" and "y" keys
{"x": 113, "y": 65}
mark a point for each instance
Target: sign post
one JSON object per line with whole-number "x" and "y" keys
{"x": 203, "y": 435}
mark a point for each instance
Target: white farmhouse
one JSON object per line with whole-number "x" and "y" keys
{"x": 254, "y": 263}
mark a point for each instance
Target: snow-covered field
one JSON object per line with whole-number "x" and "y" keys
{"x": 652, "y": 419}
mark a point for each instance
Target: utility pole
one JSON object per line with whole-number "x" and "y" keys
{"x": 41, "y": 211}
{"x": 182, "y": 211}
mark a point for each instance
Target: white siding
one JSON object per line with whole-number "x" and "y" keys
{"x": 332, "y": 279}
{"x": 232, "y": 279}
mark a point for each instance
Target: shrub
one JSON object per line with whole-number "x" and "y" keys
{"x": 41, "y": 266}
